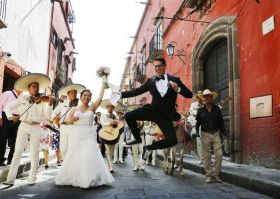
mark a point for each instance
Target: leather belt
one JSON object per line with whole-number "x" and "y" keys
{"x": 31, "y": 123}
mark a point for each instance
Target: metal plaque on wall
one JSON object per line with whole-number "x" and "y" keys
{"x": 261, "y": 106}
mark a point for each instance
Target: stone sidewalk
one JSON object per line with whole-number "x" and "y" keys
{"x": 25, "y": 165}
{"x": 258, "y": 179}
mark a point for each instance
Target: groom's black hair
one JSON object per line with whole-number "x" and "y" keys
{"x": 160, "y": 59}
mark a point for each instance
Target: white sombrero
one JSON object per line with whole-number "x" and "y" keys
{"x": 132, "y": 107}
{"x": 119, "y": 108}
{"x": 65, "y": 89}
{"x": 208, "y": 92}
{"x": 23, "y": 82}
{"x": 106, "y": 103}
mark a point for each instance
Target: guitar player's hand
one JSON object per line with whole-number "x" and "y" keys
{"x": 114, "y": 123}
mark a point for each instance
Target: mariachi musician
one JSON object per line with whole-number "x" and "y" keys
{"x": 61, "y": 112}
{"x": 109, "y": 119}
{"x": 32, "y": 111}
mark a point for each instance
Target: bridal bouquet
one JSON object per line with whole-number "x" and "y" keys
{"x": 103, "y": 72}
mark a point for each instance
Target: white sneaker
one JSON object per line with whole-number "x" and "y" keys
{"x": 154, "y": 164}
{"x": 141, "y": 167}
{"x": 31, "y": 181}
{"x": 10, "y": 183}
{"x": 122, "y": 162}
{"x": 135, "y": 168}
{"x": 208, "y": 179}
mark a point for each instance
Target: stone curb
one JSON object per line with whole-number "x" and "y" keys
{"x": 23, "y": 167}
{"x": 254, "y": 184}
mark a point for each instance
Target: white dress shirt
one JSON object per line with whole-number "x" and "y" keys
{"x": 6, "y": 98}
{"x": 61, "y": 109}
{"x": 162, "y": 85}
{"x": 105, "y": 120}
{"x": 36, "y": 113}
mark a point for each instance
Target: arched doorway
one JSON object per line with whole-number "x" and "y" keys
{"x": 216, "y": 78}
{"x": 215, "y": 65}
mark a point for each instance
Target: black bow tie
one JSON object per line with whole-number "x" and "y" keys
{"x": 159, "y": 78}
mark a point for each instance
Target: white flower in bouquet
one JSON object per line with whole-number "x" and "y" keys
{"x": 103, "y": 72}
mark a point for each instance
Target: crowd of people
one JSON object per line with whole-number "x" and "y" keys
{"x": 82, "y": 137}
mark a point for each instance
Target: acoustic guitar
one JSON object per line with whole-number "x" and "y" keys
{"x": 110, "y": 134}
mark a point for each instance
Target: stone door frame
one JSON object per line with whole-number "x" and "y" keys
{"x": 222, "y": 28}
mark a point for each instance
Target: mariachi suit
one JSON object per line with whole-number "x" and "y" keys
{"x": 161, "y": 110}
{"x": 29, "y": 127}
{"x": 63, "y": 109}
{"x": 106, "y": 120}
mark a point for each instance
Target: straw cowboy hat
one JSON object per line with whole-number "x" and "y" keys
{"x": 208, "y": 92}
{"x": 105, "y": 103}
{"x": 65, "y": 89}
{"x": 119, "y": 108}
{"x": 196, "y": 95}
{"x": 23, "y": 82}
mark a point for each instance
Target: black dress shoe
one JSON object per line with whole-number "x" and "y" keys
{"x": 146, "y": 153}
{"x": 2, "y": 164}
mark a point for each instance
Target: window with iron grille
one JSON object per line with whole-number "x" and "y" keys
{"x": 143, "y": 55}
{"x": 67, "y": 63}
{"x": 159, "y": 35}
{"x": 155, "y": 45}
{"x": 54, "y": 38}
{"x": 60, "y": 50}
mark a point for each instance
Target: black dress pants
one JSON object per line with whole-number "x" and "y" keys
{"x": 149, "y": 113}
{"x": 7, "y": 132}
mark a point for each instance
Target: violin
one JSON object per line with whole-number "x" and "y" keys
{"x": 74, "y": 103}
{"x": 43, "y": 98}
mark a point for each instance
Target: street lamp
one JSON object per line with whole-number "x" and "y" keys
{"x": 171, "y": 51}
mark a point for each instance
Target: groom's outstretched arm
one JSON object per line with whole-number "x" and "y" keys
{"x": 138, "y": 91}
{"x": 184, "y": 90}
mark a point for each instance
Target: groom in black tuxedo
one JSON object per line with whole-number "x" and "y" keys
{"x": 164, "y": 89}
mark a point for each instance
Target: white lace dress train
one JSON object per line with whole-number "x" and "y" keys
{"x": 83, "y": 165}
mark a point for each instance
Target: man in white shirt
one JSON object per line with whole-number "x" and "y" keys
{"x": 31, "y": 114}
{"x": 61, "y": 113}
{"x": 8, "y": 129}
{"x": 108, "y": 119}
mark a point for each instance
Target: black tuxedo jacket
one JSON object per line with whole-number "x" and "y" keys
{"x": 166, "y": 104}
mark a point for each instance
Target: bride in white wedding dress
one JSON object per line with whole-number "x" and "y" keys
{"x": 83, "y": 165}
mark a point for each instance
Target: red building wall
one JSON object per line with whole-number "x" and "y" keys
{"x": 259, "y": 74}
{"x": 62, "y": 28}
{"x": 259, "y": 65}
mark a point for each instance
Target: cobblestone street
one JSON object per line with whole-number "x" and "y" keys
{"x": 151, "y": 183}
